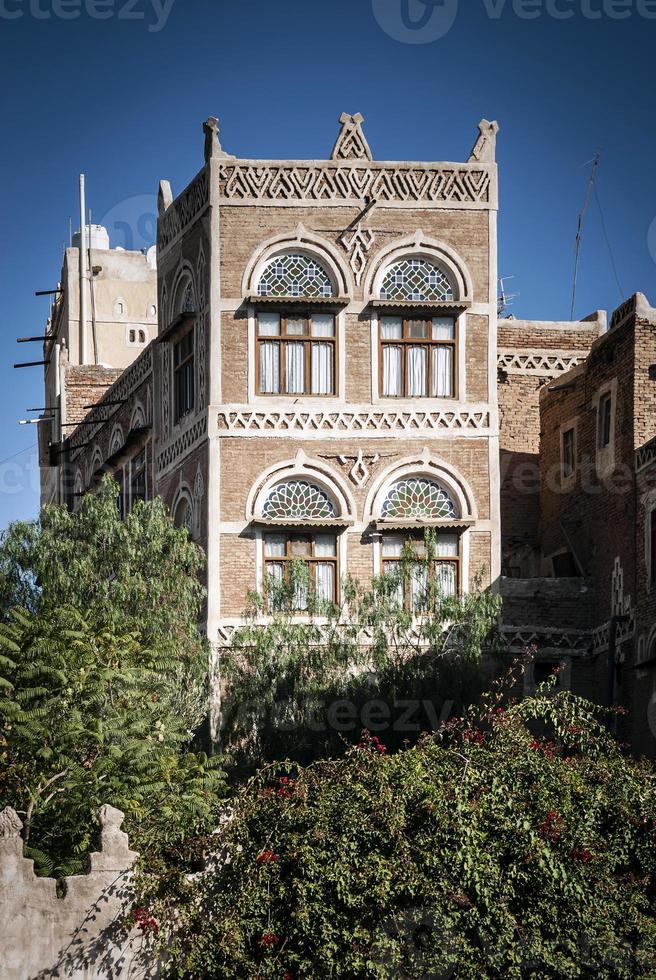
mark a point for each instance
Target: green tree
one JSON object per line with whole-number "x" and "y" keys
{"x": 484, "y": 851}
{"x": 399, "y": 651}
{"x": 102, "y": 678}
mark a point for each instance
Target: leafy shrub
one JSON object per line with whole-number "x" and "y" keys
{"x": 484, "y": 851}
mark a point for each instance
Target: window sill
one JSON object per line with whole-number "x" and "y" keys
{"x": 459, "y": 524}
{"x": 298, "y": 301}
{"x": 436, "y": 307}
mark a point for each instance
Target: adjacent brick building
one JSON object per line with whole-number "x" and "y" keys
{"x": 329, "y": 378}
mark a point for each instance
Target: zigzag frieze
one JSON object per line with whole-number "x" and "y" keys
{"x": 519, "y": 638}
{"x": 183, "y": 210}
{"x": 374, "y": 423}
{"x": 624, "y": 632}
{"x": 540, "y": 363}
{"x": 182, "y": 445}
{"x": 276, "y": 183}
{"x": 120, "y": 391}
{"x": 646, "y": 455}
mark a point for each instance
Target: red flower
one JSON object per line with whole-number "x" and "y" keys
{"x": 582, "y": 854}
{"x": 143, "y": 919}
{"x": 269, "y": 940}
{"x": 371, "y": 742}
{"x": 548, "y": 748}
{"x": 474, "y": 735}
{"x": 551, "y": 826}
{"x": 266, "y": 857}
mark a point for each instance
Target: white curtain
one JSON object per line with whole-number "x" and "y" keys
{"x": 325, "y": 546}
{"x": 322, "y": 369}
{"x": 295, "y": 365}
{"x": 417, "y": 380}
{"x": 391, "y": 371}
{"x": 445, "y": 577}
{"x": 419, "y": 586}
{"x": 442, "y": 372}
{"x": 391, "y": 328}
{"x": 269, "y": 369}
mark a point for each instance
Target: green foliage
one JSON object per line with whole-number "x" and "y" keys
{"x": 297, "y": 689}
{"x": 482, "y": 852}
{"x": 102, "y": 679}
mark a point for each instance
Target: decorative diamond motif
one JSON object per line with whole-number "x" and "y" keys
{"x": 298, "y": 499}
{"x": 294, "y": 275}
{"x": 418, "y": 280}
{"x": 418, "y": 498}
{"x": 357, "y": 244}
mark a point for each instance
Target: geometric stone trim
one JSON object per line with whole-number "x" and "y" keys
{"x": 182, "y": 444}
{"x": 184, "y": 210}
{"x": 120, "y": 391}
{"x": 357, "y": 243}
{"x": 539, "y": 363}
{"x": 351, "y": 143}
{"x": 248, "y": 182}
{"x": 624, "y": 631}
{"x": 375, "y": 423}
{"x": 646, "y": 455}
{"x": 519, "y": 638}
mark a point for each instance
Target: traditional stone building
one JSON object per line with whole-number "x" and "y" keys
{"x": 329, "y": 378}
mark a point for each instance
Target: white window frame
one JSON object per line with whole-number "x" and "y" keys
{"x": 273, "y": 401}
{"x": 341, "y": 537}
{"x": 404, "y": 403}
{"x": 605, "y": 455}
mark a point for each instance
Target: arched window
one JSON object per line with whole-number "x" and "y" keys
{"x": 183, "y": 516}
{"x": 300, "y": 501}
{"x": 426, "y": 502}
{"x": 416, "y": 279}
{"x": 295, "y": 346}
{"x": 184, "y": 370}
{"x": 294, "y": 274}
{"x": 418, "y": 498}
{"x": 417, "y": 351}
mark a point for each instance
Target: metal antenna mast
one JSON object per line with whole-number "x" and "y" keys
{"x": 579, "y": 230}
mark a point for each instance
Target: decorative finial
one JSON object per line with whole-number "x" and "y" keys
{"x": 486, "y": 145}
{"x": 10, "y": 824}
{"x": 212, "y": 141}
{"x": 164, "y": 196}
{"x": 351, "y": 143}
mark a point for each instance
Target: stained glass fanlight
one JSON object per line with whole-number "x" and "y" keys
{"x": 295, "y": 275}
{"x": 418, "y": 498}
{"x": 416, "y": 280}
{"x": 298, "y": 500}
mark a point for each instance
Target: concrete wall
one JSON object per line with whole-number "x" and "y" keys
{"x": 80, "y": 935}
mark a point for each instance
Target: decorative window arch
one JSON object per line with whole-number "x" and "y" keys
{"x": 421, "y": 264}
{"x": 417, "y": 279}
{"x": 294, "y": 500}
{"x": 313, "y": 248}
{"x": 295, "y": 274}
{"x": 301, "y": 483}
{"x": 184, "y": 513}
{"x": 185, "y": 295}
{"x": 418, "y": 498}
{"x": 138, "y": 419}
{"x": 410, "y": 482}
{"x": 117, "y": 441}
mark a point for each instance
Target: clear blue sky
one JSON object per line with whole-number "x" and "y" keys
{"x": 124, "y": 103}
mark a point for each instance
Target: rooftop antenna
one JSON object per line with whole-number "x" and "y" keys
{"x": 579, "y": 229}
{"x": 505, "y": 299}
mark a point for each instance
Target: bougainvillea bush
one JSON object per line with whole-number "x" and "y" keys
{"x": 521, "y": 843}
